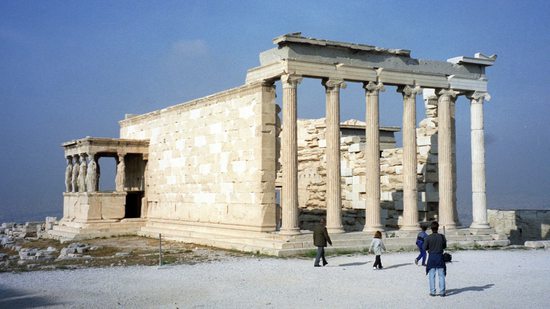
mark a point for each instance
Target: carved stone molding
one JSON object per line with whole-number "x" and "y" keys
{"x": 448, "y": 92}
{"x": 409, "y": 91}
{"x": 479, "y": 96}
{"x": 291, "y": 80}
{"x": 333, "y": 83}
{"x": 373, "y": 87}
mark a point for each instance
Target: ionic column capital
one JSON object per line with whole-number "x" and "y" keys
{"x": 291, "y": 80}
{"x": 373, "y": 87}
{"x": 409, "y": 91}
{"x": 334, "y": 84}
{"x": 448, "y": 92}
{"x": 479, "y": 96}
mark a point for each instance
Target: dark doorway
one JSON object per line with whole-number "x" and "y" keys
{"x": 133, "y": 204}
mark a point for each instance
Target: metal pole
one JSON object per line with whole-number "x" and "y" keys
{"x": 160, "y": 249}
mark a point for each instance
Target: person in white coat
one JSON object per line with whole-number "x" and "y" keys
{"x": 377, "y": 247}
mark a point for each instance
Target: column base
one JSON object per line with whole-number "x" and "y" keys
{"x": 480, "y": 226}
{"x": 410, "y": 228}
{"x": 289, "y": 232}
{"x": 372, "y": 229}
{"x": 448, "y": 227}
{"x": 335, "y": 230}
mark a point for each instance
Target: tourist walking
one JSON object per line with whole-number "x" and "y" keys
{"x": 377, "y": 247}
{"x": 320, "y": 240}
{"x": 435, "y": 243}
{"x": 420, "y": 244}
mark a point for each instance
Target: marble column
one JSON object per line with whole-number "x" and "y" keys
{"x": 372, "y": 131}
{"x": 69, "y": 175}
{"x": 453, "y": 151}
{"x": 410, "y": 191}
{"x": 479, "y": 200}
{"x": 120, "y": 173}
{"x": 76, "y": 169}
{"x": 445, "y": 158}
{"x": 332, "y": 135}
{"x": 289, "y": 194}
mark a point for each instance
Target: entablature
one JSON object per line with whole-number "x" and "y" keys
{"x": 106, "y": 146}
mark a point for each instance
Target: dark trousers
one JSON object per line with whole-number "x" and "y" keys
{"x": 377, "y": 262}
{"x": 422, "y": 254}
{"x": 320, "y": 255}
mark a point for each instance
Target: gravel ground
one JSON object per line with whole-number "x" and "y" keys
{"x": 476, "y": 279}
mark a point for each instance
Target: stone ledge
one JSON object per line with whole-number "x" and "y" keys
{"x": 538, "y": 244}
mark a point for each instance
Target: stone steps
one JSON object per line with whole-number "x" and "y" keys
{"x": 274, "y": 243}
{"x": 69, "y": 231}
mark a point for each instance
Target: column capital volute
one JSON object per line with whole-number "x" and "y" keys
{"x": 448, "y": 92}
{"x": 372, "y": 87}
{"x": 290, "y": 80}
{"x": 409, "y": 91}
{"x": 334, "y": 83}
{"x": 479, "y": 96}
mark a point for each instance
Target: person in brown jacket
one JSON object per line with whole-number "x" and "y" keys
{"x": 320, "y": 239}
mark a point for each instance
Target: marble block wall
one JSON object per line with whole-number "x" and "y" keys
{"x": 212, "y": 160}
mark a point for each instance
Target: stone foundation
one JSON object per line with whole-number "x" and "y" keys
{"x": 521, "y": 225}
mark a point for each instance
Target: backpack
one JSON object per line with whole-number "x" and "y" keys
{"x": 447, "y": 257}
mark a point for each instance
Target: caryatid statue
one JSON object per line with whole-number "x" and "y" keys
{"x": 91, "y": 175}
{"x": 74, "y": 179}
{"x": 120, "y": 173}
{"x": 82, "y": 174}
{"x": 69, "y": 174}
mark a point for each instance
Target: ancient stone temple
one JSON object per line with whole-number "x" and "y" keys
{"x": 237, "y": 169}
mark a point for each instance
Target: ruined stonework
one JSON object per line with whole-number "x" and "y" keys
{"x": 312, "y": 171}
{"x": 521, "y": 225}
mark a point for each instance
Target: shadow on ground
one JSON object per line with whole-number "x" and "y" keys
{"x": 397, "y": 265}
{"x": 355, "y": 263}
{"x": 470, "y": 289}
{"x": 11, "y": 298}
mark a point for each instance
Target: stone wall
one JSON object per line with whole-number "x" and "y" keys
{"x": 212, "y": 160}
{"x": 520, "y": 225}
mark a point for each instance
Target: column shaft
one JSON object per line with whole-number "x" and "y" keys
{"x": 334, "y": 193}
{"x": 479, "y": 200}
{"x": 445, "y": 159}
{"x": 372, "y": 131}
{"x": 410, "y": 192}
{"x": 289, "y": 194}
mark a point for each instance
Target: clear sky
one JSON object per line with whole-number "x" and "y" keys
{"x": 70, "y": 69}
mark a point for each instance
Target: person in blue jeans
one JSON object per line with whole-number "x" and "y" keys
{"x": 435, "y": 243}
{"x": 420, "y": 244}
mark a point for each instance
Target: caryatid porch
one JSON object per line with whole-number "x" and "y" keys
{"x": 336, "y": 63}
{"x": 84, "y": 202}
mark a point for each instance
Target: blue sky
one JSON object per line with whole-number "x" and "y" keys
{"x": 70, "y": 69}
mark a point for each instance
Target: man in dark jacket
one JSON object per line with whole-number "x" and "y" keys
{"x": 434, "y": 244}
{"x": 320, "y": 239}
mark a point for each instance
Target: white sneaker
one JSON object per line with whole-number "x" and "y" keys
{"x": 374, "y": 268}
